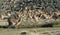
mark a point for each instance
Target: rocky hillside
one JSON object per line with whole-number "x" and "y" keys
{"x": 19, "y": 5}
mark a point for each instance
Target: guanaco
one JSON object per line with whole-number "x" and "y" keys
{"x": 34, "y": 15}
{"x": 37, "y": 15}
{"x": 15, "y": 21}
{"x": 30, "y": 14}
{"x": 47, "y": 16}
{"x": 57, "y": 13}
{"x": 20, "y": 14}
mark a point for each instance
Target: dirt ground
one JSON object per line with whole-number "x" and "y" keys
{"x": 30, "y": 31}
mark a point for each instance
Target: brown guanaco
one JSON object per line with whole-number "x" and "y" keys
{"x": 20, "y": 14}
{"x": 34, "y": 15}
{"x": 57, "y": 13}
{"x": 30, "y": 14}
{"x": 37, "y": 15}
{"x": 47, "y": 16}
{"x": 15, "y": 21}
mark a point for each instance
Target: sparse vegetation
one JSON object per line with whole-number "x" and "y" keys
{"x": 33, "y": 11}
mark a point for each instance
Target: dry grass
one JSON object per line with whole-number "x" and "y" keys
{"x": 30, "y": 31}
{"x": 33, "y": 23}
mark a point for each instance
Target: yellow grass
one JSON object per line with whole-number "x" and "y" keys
{"x": 30, "y": 31}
